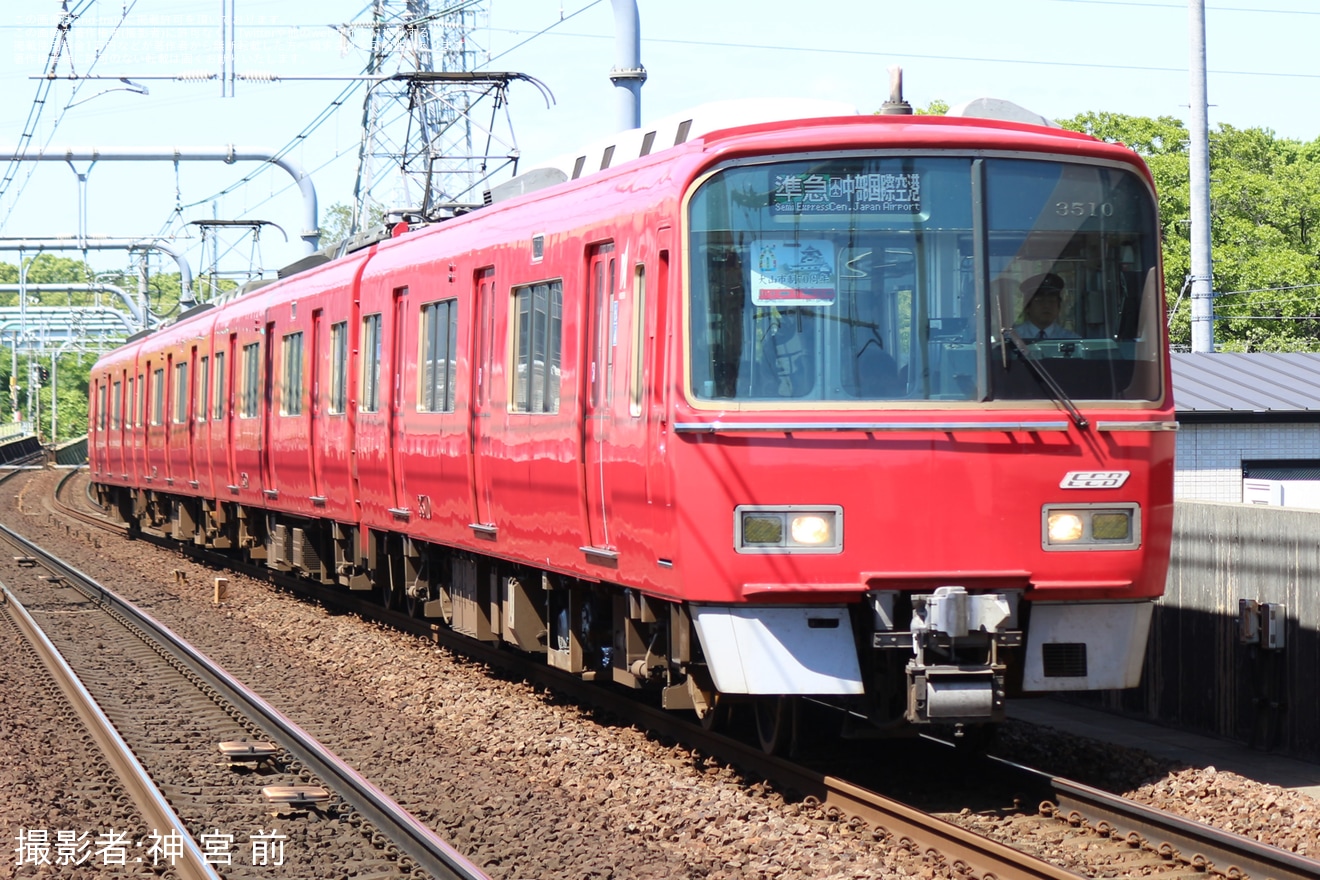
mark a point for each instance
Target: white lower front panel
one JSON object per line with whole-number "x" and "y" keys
{"x": 1077, "y": 646}
{"x": 779, "y": 650}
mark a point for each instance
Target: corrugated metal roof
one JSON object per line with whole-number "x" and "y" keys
{"x": 1247, "y": 383}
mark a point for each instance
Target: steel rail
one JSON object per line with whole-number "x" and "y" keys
{"x": 149, "y": 799}
{"x": 430, "y": 852}
{"x": 1218, "y": 850}
{"x": 978, "y": 856}
{"x": 973, "y": 854}
{"x": 1201, "y": 846}
{"x": 1210, "y": 848}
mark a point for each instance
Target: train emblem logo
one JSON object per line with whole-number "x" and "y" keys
{"x": 1094, "y": 479}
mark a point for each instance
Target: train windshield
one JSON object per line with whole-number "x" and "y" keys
{"x": 909, "y": 278}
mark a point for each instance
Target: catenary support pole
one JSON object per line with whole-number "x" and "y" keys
{"x": 628, "y": 73}
{"x": 94, "y": 243}
{"x": 311, "y": 233}
{"x": 1203, "y": 305}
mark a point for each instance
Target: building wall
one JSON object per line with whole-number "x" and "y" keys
{"x": 1208, "y": 466}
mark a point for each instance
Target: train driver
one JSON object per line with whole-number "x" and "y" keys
{"x": 1041, "y": 309}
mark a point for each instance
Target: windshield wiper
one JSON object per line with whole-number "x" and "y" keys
{"x": 1043, "y": 374}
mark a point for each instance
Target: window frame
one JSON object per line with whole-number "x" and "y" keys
{"x": 370, "y": 350}
{"x": 291, "y": 379}
{"x": 156, "y": 400}
{"x": 250, "y": 395}
{"x": 116, "y": 405}
{"x": 220, "y": 402}
{"x": 337, "y": 403}
{"x": 525, "y": 378}
{"x": 635, "y": 377}
{"x": 181, "y": 393}
{"x": 435, "y": 386}
{"x": 203, "y": 396}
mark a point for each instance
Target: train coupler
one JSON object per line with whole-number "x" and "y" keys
{"x": 953, "y": 694}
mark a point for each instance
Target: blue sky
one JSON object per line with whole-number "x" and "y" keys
{"x": 1057, "y": 57}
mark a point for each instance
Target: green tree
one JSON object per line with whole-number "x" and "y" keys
{"x": 72, "y": 365}
{"x": 1265, "y": 204}
{"x": 338, "y": 220}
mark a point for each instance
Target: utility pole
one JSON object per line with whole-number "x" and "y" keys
{"x": 419, "y": 152}
{"x": 1203, "y": 305}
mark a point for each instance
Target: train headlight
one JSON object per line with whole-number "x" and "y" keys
{"x": 811, "y": 530}
{"x": 1064, "y": 527}
{"x": 1091, "y": 526}
{"x": 791, "y": 528}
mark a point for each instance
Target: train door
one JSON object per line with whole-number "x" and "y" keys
{"x": 189, "y": 417}
{"x": 321, "y": 361}
{"x": 602, "y": 335}
{"x": 204, "y": 448}
{"x": 334, "y": 475}
{"x": 98, "y": 425}
{"x": 397, "y": 364}
{"x": 115, "y": 463}
{"x": 165, "y": 420}
{"x": 656, "y": 391}
{"x": 230, "y": 413}
{"x": 137, "y": 449}
{"x": 154, "y": 452}
{"x": 378, "y": 364}
{"x": 268, "y": 380}
{"x": 479, "y": 422}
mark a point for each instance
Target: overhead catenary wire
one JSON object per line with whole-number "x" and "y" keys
{"x": 328, "y": 111}
{"x": 558, "y": 26}
{"x": 25, "y": 140}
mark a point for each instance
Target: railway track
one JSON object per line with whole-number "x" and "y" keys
{"x": 190, "y": 862}
{"x": 1137, "y": 838}
{"x": 1176, "y": 841}
{"x": 169, "y": 684}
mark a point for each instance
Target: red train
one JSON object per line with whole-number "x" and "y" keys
{"x": 757, "y": 416}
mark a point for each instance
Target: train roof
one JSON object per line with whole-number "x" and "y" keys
{"x": 669, "y": 131}
{"x": 714, "y": 120}
{"x": 710, "y": 126}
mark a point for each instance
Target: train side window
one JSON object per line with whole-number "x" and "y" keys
{"x": 251, "y": 393}
{"x": 439, "y": 333}
{"x": 140, "y": 401}
{"x": 638, "y": 337}
{"x": 369, "y": 381}
{"x": 116, "y": 406}
{"x": 204, "y": 389}
{"x": 339, "y": 367}
{"x": 158, "y": 396}
{"x": 291, "y": 387}
{"x": 180, "y": 414}
{"x": 538, "y": 313}
{"x": 100, "y": 406}
{"x": 219, "y": 385}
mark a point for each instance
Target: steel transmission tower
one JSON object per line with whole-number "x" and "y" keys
{"x": 423, "y": 151}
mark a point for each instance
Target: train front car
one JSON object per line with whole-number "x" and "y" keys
{"x": 926, "y": 395}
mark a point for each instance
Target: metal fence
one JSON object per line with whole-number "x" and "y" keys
{"x": 14, "y": 429}
{"x": 1220, "y": 665}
